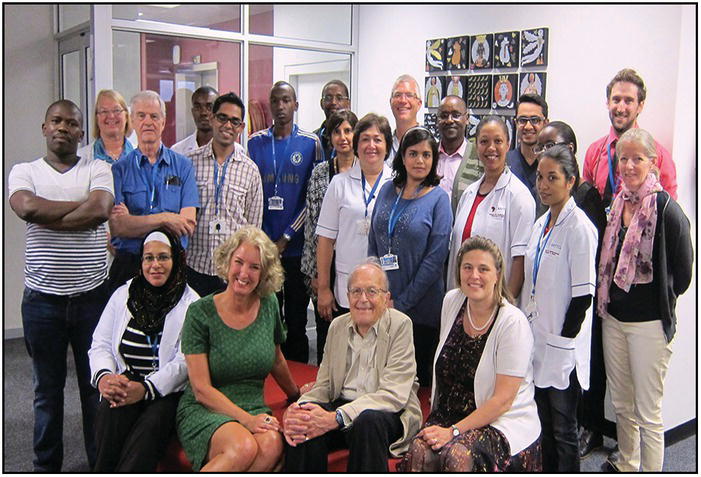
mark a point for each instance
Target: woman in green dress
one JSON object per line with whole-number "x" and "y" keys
{"x": 231, "y": 342}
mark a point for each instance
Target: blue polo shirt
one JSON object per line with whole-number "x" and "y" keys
{"x": 295, "y": 157}
{"x": 167, "y": 186}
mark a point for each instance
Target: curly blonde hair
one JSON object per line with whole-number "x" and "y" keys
{"x": 477, "y": 242}
{"x": 271, "y": 274}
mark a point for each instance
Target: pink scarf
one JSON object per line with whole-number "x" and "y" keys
{"x": 635, "y": 260}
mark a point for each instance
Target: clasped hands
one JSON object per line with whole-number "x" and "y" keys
{"x": 176, "y": 223}
{"x": 306, "y": 421}
{"x": 120, "y": 390}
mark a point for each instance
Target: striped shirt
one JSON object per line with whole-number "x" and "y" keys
{"x": 240, "y": 202}
{"x": 63, "y": 262}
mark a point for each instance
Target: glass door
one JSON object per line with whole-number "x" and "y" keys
{"x": 75, "y": 75}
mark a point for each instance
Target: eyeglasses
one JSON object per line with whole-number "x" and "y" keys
{"x": 537, "y": 149}
{"x": 534, "y": 120}
{"x": 454, "y": 115}
{"x": 108, "y": 112}
{"x": 162, "y": 258}
{"x": 400, "y": 95}
{"x": 370, "y": 292}
{"x": 330, "y": 97}
{"x": 223, "y": 118}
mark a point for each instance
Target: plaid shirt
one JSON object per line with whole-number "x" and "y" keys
{"x": 241, "y": 202}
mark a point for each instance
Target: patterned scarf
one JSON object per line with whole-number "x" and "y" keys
{"x": 149, "y": 305}
{"x": 635, "y": 260}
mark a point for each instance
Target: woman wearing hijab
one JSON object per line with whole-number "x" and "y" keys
{"x": 136, "y": 362}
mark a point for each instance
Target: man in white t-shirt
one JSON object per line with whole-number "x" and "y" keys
{"x": 65, "y": 201}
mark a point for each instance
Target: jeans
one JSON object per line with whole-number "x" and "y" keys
{"x": 557, "y": 410}
{"x": 293, "y": 300}
{"x": 51, "y": 323}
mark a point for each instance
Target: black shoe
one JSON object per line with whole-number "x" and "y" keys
{"x": 609, "y": 467}
{"x": 588, "y": 441}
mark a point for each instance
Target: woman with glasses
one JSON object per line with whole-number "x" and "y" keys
{"x": 483, "y": 417}
{"x": 136, "y": 362}
{"x": 231, "y": 341}
{"x": 340, "y": 124}
{"x": 409, "y": 231}
{"x": 556, "y": 298}
{"x": 112, "y": 126}
{"x": 498, "y": 206}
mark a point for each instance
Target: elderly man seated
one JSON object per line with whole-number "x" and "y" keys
{"x": 365, "y": 394}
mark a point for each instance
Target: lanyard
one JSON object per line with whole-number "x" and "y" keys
{"x": 152, "y": 185}
{"x": 154, "y": 348}
{"x": 367, "y": 200}
{"x": 539, "y": 251}
{"x": 282, "y": 165}
{"x": 219, "y": 184}
{"x": 397, "y": 212}
{"x": 612, "y": 182}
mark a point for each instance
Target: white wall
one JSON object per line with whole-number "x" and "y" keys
{"x": 588, "y": 45}
{"x": 30, "y": 79}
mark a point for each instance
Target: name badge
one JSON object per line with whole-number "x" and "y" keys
{"x": 363, "y": 226}
{"x": 219, "y": 227}
{"x": 531, "y": 310}
{"x": 276, "y": 203}
{"x": 389, "y": 262}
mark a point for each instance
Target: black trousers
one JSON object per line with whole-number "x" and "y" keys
{"x": 202, "y": 283}
{"x": 591, "y": 415}
{"x": 557, "y": 410}
{"x": 133, "y": 438}
{"x": 293, "y": 300}
{"x": 425, "y": 343}
{"x": 367, "y": 440}
{"x": 322, "y": 328}
{"x": 124, "y": 267}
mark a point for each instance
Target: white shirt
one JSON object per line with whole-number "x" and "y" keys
{"x": 566, "y": 271}
{"x": 104, "y": 351}
{"x": 505, "y": 216}
{"x": 342, "y": 209}
{"x": 448, "y": 166}
{"x": 360, "y": 361}
{"x": 186, "y": 145}
{"x": 507, "y": 351}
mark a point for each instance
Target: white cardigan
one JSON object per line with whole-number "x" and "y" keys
{"x": 104, "y": 352}
{"x": 508, "y": 351}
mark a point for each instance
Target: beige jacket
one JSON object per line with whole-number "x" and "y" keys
{"x": 396, "y": 372}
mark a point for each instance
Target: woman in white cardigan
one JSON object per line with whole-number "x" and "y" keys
{"x": 136, "y": 362}
{"x": 483, "y": 415}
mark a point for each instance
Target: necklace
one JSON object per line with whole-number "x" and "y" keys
{"x": 472, "y": 323}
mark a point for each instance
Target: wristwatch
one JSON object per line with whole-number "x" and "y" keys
{"x": 287, "y": 237}
{"x": 456, "y": 431}
{"x": 339, "y": 419}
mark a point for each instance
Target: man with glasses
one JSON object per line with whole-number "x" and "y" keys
{"x": 405, "y": 101}
{"x": 65, "y": 201}
{"x": 285, "y": 156}
{"x": 202, "y": 100}
{"x": 334, "y": 97}
{"x": 531, "y": 117}
{"x": 458, "y": 164}
{"x": 231, "y": 193}
{"x": 153, "y": 187}
{"x": 366, "y": 387}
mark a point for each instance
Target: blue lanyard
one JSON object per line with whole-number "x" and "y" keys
{"x": 154, "y": 348}
{"x": 612, "y": 182}
{"x": 539, "y": 251}
{"x": 282, "y": 165}
{"x": 397, "y": 212}
{"x": 367, "y": 200}
{"x": 154, "y": 177}
{"x": 218, "y": 185}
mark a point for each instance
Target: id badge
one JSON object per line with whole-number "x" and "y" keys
{"x": 217, "y": 226}
{"x": 276, "y": 203}
{"x": 531, "y": 311}
{"x": 389, "y": 262}
{"x": 363, "y": 227}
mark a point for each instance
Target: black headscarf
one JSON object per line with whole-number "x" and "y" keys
{"x": 149, "y": 305}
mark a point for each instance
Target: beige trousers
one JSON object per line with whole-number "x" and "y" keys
{"x": 636, "y": 356}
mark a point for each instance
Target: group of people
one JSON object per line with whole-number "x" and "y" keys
{"x": 510, "y": 286}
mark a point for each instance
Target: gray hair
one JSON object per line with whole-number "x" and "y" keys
{"x": 372, "y": 262}
{"x": 408, "y": 79}
{"x": 148, "y": 95}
